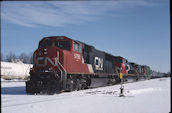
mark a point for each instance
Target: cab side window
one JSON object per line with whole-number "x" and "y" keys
{"x": 63, "y": 45}
{"x": 76, "y": 46}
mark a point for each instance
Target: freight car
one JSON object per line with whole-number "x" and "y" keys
{"x": 15, "y": 70}
{"x": 63, "y": 64}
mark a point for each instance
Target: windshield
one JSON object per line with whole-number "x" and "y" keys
{"x": 60, "y": 44}
{"x": 46, "y": 43}
{"x": 63, "y": 44}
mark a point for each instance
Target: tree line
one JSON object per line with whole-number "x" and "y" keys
{"x": 12, "y": 57}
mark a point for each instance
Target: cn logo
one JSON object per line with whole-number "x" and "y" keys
{"x": 45, "y": 61}
{"x": 98, "y": 63}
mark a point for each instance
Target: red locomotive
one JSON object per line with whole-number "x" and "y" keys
{"x": 63, "y": 64}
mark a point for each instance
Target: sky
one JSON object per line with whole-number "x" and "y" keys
{"x": 138, "y": 30}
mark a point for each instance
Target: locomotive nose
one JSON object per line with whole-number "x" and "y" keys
{"x": 43, "y": 51}
{"x": 50, "y": 52}
{"x": 47, "y": 57}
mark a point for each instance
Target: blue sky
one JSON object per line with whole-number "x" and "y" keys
{"x": 137, "y": 30}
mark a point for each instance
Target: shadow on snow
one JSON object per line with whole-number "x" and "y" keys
{"x": 18, "y": 90}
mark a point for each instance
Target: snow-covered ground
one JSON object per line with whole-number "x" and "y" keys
{"x": 150, "y": 96}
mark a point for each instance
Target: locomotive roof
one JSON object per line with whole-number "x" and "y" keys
{"x": 55, "y": 37}
{"x": 132, "y": 63}
{"x": 102, "y": 51}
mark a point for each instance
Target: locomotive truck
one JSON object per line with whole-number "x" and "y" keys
{"x": 62, "y": 64}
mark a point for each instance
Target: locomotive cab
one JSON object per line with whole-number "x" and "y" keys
{"x": 49, "y": 54}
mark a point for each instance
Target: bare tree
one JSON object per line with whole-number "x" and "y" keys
{"x": 10, "y": 57}
{"x": 2, "y": 57}
{"x": 24, "y": 57}
{"x": 30, "y": 58}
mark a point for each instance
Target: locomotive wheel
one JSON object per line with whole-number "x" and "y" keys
{"x": 70, "y": 85}
{"x": 78, "y": 84}
{"x": 88, "y": 82}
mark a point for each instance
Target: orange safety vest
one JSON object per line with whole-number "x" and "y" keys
{"x": 121, "y": 75}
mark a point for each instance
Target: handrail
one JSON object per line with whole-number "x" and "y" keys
{"x": 65, "y": 75}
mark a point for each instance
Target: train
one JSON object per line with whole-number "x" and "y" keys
{"x": 15, "y": 70}
{"x": 63, "y": 64}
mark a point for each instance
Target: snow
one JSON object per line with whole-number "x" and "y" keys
{"x": 149, "y": 96}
